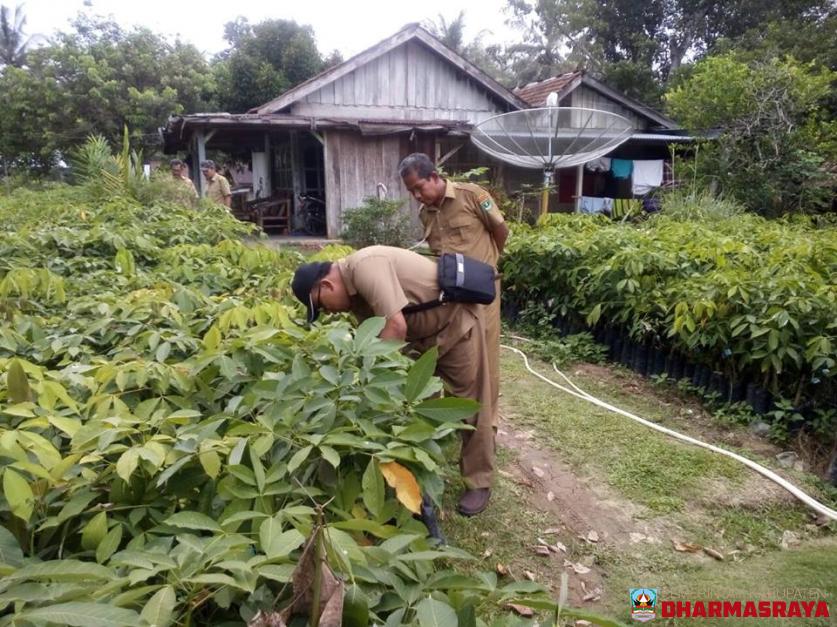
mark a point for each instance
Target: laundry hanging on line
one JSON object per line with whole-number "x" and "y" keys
{"x": 621, "y": 168}
{"x": 592, "y": 204}
{"x": 602, "y": 164}
{"x": 647, "y": 175}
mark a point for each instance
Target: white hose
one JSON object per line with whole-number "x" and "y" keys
{"x": 579, "y": 393}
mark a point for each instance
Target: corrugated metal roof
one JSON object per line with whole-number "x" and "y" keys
{"x": 535, "y": 93}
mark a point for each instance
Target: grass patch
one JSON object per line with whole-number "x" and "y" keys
{"x": 646, "y": 467}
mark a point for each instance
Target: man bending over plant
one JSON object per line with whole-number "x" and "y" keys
{"x": 382, "y": 281}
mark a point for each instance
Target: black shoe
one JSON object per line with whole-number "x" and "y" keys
{"x": 472, "y": 502}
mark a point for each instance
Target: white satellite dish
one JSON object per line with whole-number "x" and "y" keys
{"x": 551, "y": 137}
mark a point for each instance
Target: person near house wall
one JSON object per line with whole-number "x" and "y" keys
{"x": 217, "y": 188}
{"x": 460, "y": 218}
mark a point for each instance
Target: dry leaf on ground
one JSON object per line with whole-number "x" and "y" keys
{"x": 502, "y": 570}
{"x": 521, "y": 610}
{"x": 542, "y": 550}
{"x": 538, "y": 472}
{"x": 713, "y": 553}
{"x": 550, "y": 496}
{"x": 592, "y": 537}
{"x": 686, "y": 547}
{"x": 407, "y": 489}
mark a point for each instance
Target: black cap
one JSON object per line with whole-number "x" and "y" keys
{"x": 304, "y": 279}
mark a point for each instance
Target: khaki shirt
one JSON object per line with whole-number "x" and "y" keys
{"x": 463, "y": 223}
{"x": 217, "y": 189}
{"x": 187, "y": 183}
{"x": 382, "y": 280}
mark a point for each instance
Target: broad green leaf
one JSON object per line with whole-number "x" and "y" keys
{"x": 94, "y": 531}
{"x": 434, "y": 613}
{"x": 276, "y": 543}
{"x": 374, "y": 492}
{"x": 61, "y": 570}
{"x": 211, "y": 462}
{"x": 84, "y": 615}
{"x": 67, "y": 425}
{"x": 298, "y": 458}
{"x": 355, "y": 608}
{"x": 330, "y": 455}
{"x": 420, "y": 374}
{"x": 17, "y": 383}
{"x": 18, "y": 494}
{"x": 159, "y": 611}
{"x": 368, "y": 330}
{"x": 212, "y": 339}
{"x": 10, "y": 551}
{"x": 109, "y": 544}
{"x": 283, "y": 573}
{"x": 447, "y": 409}
{"x": 193, "y": 520}
{"x": 127, "y": 464}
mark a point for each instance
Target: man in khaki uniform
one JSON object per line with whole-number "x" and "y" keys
{"x": 178, "y": 174}
{"x": 460, "y": 218}
{"x": 217, "y": 187}
{"x": 381, "y": 281}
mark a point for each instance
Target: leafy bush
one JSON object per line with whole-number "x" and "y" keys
{"x": 172, "y": 442}
{"x": 747, "y": 297}
{"x": 377, "y": 222}
{"x": 776, "y": 151}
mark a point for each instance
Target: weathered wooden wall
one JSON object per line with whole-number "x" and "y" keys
{"x": 588, "y": 98}
{"x": 411, "y": 82}
{"x": 355, "y": 165}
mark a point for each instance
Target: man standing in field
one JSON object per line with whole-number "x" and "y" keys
{"x": 382, "y": 281}
{"x": 217, "y": 187}
{"x": 460, "y": 218}
{"x": 178, "y": 169}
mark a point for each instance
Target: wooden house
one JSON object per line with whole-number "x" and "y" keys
{"x": 340, "y": 135}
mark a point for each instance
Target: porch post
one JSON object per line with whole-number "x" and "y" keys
{"x": 579, "y": 186}
{"x": 200, "y": 139}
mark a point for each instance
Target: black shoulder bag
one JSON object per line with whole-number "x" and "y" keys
{"x": 461, "y": 280}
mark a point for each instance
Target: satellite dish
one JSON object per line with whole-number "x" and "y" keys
{"x": 551, "y": 137}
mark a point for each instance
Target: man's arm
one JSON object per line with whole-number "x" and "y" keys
{"x": 228, "y": 200}
{"x": 395, "y": 328}
{"x": 500, "y": 233}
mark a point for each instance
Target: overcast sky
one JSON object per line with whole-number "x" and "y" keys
{"x": 348, "y": 26}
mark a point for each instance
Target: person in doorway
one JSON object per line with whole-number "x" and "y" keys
{"x": 217, "y": 187}
{"x": 460, "y": 218}
{"x": 178, "y": 173}
{"x": 381, "y": 281}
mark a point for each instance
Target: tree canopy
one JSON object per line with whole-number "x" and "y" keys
{"x": 264, "y": 60}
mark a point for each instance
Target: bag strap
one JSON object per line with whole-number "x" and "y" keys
{"x": 422, "y": 306}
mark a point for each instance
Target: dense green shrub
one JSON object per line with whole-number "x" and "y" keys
{"x": 751, "y": 298}
{"x": 170, "y": 436}
{"x": 377, "y": 222}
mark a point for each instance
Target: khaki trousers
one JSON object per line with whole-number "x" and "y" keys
{"x": 464, "y": 364}
{"x": 492, "y": 338}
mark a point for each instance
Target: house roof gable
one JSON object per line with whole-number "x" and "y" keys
{"x": 409, "y": 32}
{"x": 535, "y": 95}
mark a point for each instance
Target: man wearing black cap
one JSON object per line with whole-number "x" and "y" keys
{"x": 217, "y": 187}
{"x": 381, "y": 281}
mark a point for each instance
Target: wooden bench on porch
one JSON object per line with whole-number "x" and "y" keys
{"x": 271, "y": 214}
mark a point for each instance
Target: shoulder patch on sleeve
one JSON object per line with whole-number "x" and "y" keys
{"x": 485, "y": 202}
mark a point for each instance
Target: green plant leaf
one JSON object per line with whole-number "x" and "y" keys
{"x": 17, "y": 383}
{"x": 373, "y": 489}
{"x": 420, "y": 374}
{"x": 109, "y": 544}
{"x": 61, "y": 570}
{"x": 84, "y": 615}
{"x": 193, "y": 520}
{"x": 434, "y": 613}
{"x": 159, "y": 611}
{"x": 127, "y": 464}
{"x": 211, "y": 462}
{"x": 355, "y": 608}
{"x": 94, "y": 531}
{"x": 330, "y": 455}
{"x": 10, "y": 551}
{"x": 18, "y": 494}
{"x": 298, "y": 458}
{"x": 447, "y": 409}
{"x": 368, "y": 331}
{"x": 277, "y": 543}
